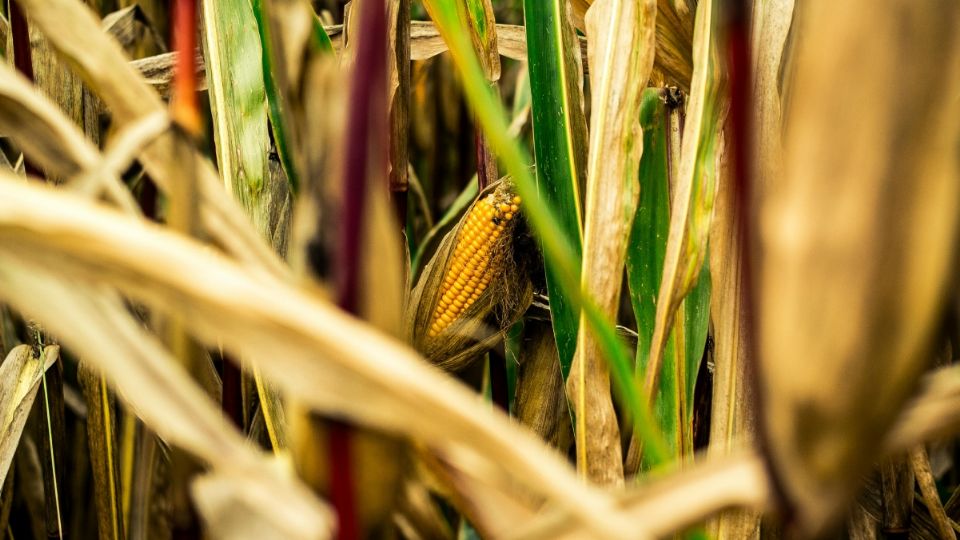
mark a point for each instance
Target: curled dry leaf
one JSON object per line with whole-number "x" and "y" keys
{"x": 236, "y": 506}
{"x": 673, "y": 64}
{"x": 157, "y": 71}
{"x": 419, "y": 514}
{"x": 398, "y": 97}
{"x": 425, "y": 42}
{"x": 932, "y": 414}
{"x": 664, "y": 506}
{"x": 675, "y": 28}
{"x": 541, "y": 403}
{"x": 491, "y": 502}
{"x": 478, "y": 14}
{"x": 130, "y": 25}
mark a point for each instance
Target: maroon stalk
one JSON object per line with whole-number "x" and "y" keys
{"x": 366, "y": 158}
{"x": 366, "y": 134}
{"x": 737, "y": 33}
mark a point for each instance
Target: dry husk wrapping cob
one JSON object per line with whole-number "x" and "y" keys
{"x": 488, "y": 283}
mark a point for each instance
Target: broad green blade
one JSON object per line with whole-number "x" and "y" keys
{"x": 645, "y": 254}
{"x": 276, "y": 99}
{"x": 673, "y": 403}
{"x": 556, "y": 249}
{"x": 319, "y": 40}
{"x": 696, "y": 320}
{"x": 560, "y": 134}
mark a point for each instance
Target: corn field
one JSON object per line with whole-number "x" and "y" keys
{"x": 456, "y": 269}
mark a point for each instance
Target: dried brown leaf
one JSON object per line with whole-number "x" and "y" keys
{"x": 620, "y": 35}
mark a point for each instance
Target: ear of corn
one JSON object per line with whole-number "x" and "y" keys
{"x": 472, "y": 287}
{"x": 469, "y": 271}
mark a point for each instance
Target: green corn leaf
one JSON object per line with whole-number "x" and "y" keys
{"x": 683, "y": 349}
{"x": 319, "y": 40}
{"x": 696, "y": 321}
{"x": 645, "y": 254}
{"x": 560, "y": 134}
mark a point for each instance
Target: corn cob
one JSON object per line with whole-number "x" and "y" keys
{"x": 470, "y": 270}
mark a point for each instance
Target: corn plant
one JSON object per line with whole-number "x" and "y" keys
{"x": 479, "y": 269}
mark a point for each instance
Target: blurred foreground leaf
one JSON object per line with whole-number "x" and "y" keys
{"x": 858, "y": 238}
